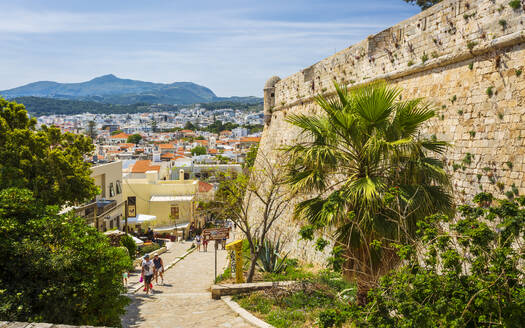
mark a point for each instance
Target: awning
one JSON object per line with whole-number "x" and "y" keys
{"x": 137, "y": 241}
{"x": 173, "y": 227}
{"x": 141, "y": 218}
{"x": 171, "y": 198}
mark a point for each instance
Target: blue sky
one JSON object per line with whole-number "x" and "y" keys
{"x": 231, "y": 47}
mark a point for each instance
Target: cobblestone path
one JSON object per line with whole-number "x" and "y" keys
{"x": 184, "y": 300}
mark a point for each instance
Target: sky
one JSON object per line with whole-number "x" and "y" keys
{"x": 232, "y": 47}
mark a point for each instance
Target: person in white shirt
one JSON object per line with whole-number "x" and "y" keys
{"x": 148, "y": 270}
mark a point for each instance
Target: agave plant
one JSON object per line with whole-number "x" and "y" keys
{"x": 269, "y": 258}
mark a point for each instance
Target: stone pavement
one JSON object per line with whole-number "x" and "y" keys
{"x": 175, "y": 250}
{"x": 184, "y": 300}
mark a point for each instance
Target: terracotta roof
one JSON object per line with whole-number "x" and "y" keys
{"x": 212, "y": 151}
{"x": 251, "y": 139}
{"x": 168, "y": 155}
{"x": 186, "y": 131}
{"x": 141, "y": 166}
{"x": 166, "y": 146}
{"x": 205, "y": 187}
{"x": 126, "y": 145}
{"x": 226, "y": 132}
{"x": 202, "y": 142}
{"x": 121, "y": 135}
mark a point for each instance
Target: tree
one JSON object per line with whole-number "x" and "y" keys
{"x": 92, "y": 130}
{"x": 365, "y": 172}
{"x": 55, "y": 268}
{"x": 154, "y": 126}
{"x": 251, "y": 156}
{"x": 116, "y": 132}
{"x": 47, "y": 162}
{"x": 236, "y": 196}
{"x": 198, "y": 150}
{"x": 189, "y": 126}
{"x": 423, "y": 4}
{"x": 469, "y": 273}
{"x": 135, "y": 138}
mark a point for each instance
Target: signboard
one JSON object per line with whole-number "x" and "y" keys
{"x": 132, "y": 212}
{"x": 216, "y": 233}
{"x": 235, "y": 249}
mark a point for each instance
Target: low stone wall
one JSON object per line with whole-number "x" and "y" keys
{"x": 233, "y": 289}
{"x": 7, "y": 324}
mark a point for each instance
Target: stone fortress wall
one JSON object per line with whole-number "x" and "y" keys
{"x": 463, "y": 56}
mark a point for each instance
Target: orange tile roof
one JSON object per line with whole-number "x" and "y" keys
{"x": 186, "y": 131}
{"x": 121, "y": 135}
{"x": 226, "y": 132}
{"x": 204, "y": 186}
{"x": 202, "y": 142}
{"x": 168, "y": 155}
{"x": 141, "y": 166}
{"x": 166, "y": 146}
{"x": 126, "y": 145}
{"x": 212, "y": 151}
{"x": 250, "y": 139}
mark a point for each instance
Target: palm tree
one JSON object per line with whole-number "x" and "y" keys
{"x": 366, "y": 175}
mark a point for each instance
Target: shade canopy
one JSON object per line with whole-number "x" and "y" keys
{"x": 172, "y": 227}
{"x": 141, "y": 218}
{"x": 171, "y": 198}
{"x": 137, "y": 241}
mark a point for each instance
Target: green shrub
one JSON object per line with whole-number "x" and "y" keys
{"x": 148, "y": 249}
{"x": 515, "y": 4}
{"x": 471, "y": 277}
{"x": 55, "y": 268}
{"x": 128, "y": 242}
{"x": 332, "y": 318}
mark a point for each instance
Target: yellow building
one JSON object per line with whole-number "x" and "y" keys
{"x": 172, "y": 202}
{"x": 106, "y": 210}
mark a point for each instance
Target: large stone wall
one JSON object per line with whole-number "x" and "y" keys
{"x": 465, "y": 57}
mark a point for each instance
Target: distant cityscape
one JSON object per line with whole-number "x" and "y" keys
{"x": 189, "y": 135}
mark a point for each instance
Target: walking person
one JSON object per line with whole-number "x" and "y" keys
{"x": 125, "y": 275}
{"x": 148, "y": 270}
{"x": 159, "y": 268}
{"x": 198, "y": 242}
{"x": 205, "y": 243}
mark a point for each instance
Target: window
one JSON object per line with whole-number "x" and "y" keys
{"x": 119, "y": 187}
{"x": 175, "y": 213}
{"x": 111, "y": 190}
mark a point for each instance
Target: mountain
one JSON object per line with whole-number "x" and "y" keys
{"x": 113, "y": 90}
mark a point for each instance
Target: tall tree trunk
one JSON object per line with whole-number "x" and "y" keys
{"x": 251, "y": 272}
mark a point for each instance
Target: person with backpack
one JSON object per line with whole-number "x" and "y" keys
{"x": 148, "y": 270}
{"x": 159, "y": 268}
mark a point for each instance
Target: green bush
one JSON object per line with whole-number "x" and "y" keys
{"x": 55, "y": 268}
{"x": 332, "y": 318}
{"x": 128, "y": 242}
{"x": 468, "y": 277}
{"x": 148, "y": 249}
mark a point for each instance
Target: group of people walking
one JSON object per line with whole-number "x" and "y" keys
{"x": 199, "y": 239}
{"x": 152, "y": 269}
